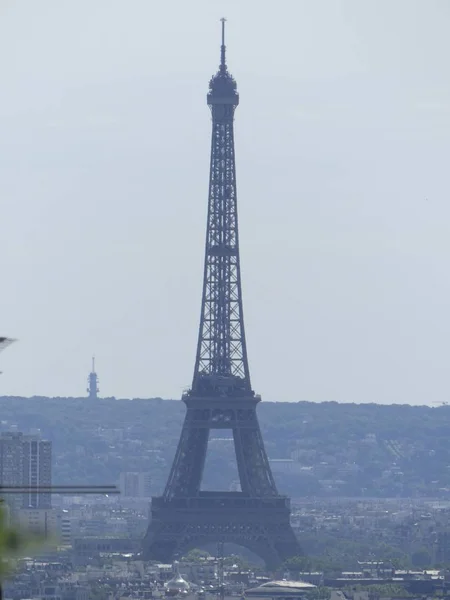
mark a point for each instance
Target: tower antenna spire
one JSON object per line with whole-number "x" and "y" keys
{"x": 223, "y": 65}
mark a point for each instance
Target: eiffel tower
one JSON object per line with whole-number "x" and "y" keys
{"x": 221, "y": 396}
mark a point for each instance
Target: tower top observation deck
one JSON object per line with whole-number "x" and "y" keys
{"x": 222, "y": 86}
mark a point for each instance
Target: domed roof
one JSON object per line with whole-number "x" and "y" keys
{"x": 177, "y": 583}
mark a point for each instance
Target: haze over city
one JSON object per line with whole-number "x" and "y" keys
{"x": 342, "y": 139}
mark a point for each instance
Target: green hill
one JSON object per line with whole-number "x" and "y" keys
{"x": 337, "y": 449}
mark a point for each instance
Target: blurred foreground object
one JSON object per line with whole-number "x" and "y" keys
{"x": 14, "y": 544}
{"x": 4, "y": 342}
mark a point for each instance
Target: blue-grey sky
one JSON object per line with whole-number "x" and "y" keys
{"x": 343, "y": 142}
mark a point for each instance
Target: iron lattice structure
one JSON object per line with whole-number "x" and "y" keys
{"x": 221, "y": 396}
{"x": 221, "y": 362}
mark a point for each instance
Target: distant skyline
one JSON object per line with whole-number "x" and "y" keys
{"x": 342, "y": 145}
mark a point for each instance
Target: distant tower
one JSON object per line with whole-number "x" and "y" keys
{"x": 93, "y": 389}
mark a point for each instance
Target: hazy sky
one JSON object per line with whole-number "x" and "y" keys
{"x": 343, "y": 145}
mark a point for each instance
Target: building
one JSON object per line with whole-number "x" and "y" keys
{"x": 204, "y": 571}
{"x": 135, "y": 484}
{"x": 286, "y": 465}
{"x": 26, "y": 461}
{"x": 11, "y": 461}
{"x": 443, "y": 547}
{"x": 66, "y": 529}
{"x": 295, "y": 590}
{"x": 87, "y": 549}
{"x": 37, "y": 471}
{"x": 41, "y": 521}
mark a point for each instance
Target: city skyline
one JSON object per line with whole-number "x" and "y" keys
{"x": 344, "y": 239}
